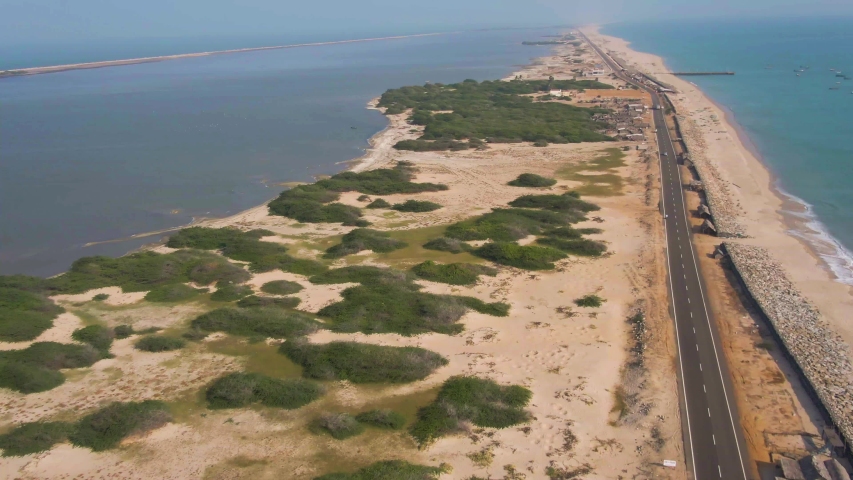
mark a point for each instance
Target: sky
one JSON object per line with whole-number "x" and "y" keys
{"x": 51, "y": 21}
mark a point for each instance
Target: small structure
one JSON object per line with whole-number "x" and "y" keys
{"x": 790, "y": 468}
{"x": 696, "y": 186}
{"x": 704, "y": 211}
{"x": 719, "y": 252}
{"x": 708, "y": 228}
{"x": 556, "y": 93}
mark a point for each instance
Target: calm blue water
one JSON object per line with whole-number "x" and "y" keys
{"x": 802, "y": 129}
{"x": 95, "y": 155}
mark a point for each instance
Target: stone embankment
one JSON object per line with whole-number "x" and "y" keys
{"x": 723, "y": 210}
{"x": 821, "y": 354}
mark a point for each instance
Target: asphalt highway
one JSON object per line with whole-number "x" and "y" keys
{"x": 714, "y": 446}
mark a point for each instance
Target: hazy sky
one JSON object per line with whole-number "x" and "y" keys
{"x": 37, "y": 21}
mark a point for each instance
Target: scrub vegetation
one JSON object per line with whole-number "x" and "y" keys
{"x": 362, "y": 362}
{"x": 159, "y": 343}
{"x": 316, "y": 202}
{"x": 34, "y": 437}
{"x": 452, "y": 273}
{"x": 36, "y": 368}
{"x": 592, "y": 301}
{"x": 229, "y": 292}
{"x": 389, "y": 470}
{"x": 99, "y": 337}
{"x": 173, "y": 293}
{"x": 444, "y": 244}
{"x": 378, "y": 203}
{"x": 528, "y": 257}
{"x": 240, "y": 389}
{"x": 364, "y": 239}
{"x": 256, "y": 301}
{"x": 494, "y": 111}
{"x": 339, "y": 425}
{"x": 281, "y": 287}
{"x": 416, "y": 206}
{"x": 532, "y": 180}
{"x": 474, "y": 400}
{"x": 24, "y": 315}
{"x": 384, "y": 418}
{"x": 263, "y": 322}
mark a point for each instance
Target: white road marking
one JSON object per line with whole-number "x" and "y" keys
{"x": 709, "y": 413}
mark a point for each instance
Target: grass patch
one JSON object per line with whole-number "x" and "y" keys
{"x": 493, "y": 111}
{"x": 364, "y": 239}
{"x": 452, "y": 273}
{"x": 579, "y": 246}
{"x": 34, "y": 437}
{"x": 229, "y": 292}
{"x": 470, "y": 399}
{"x": 378, "y": 203}
{"x": 568, "y": 202}
{"x": 245, "y": 247}
{"x": 107, "y": 427}
{"x": 312, "y": 203}
{"x": 382, "y": 418}
{"x": 159, "y": 343}
{"x": 510, "y": 224}
{"x": 99, "y": 337}
{"x": 124, "y": 331}
{"x": 389, "y": 470}
{"x": 532, "y": 180}
{"x": 339, "y": 425}
{"x": 590, "y": 301}
{"x": 528, "y": 257}
{"x": 239, "y": 389}
{"x": 35, "y": 368}
{"x": 177, "y": 292}
{"x": 281, "y": 287}
{"x": 416, "y": 206}
{"x": 100, "y": 297}
{"x": 263, "y": 322}
{"x": 451, "y": 245}
{"x": 24, "y": 315}
{"x": 361, "y": 362}
{"x": 256, "y": 301}
{"x": 363, "y": 274}
{"x": 495, "y": 309}
{"x": 605, "y": 180}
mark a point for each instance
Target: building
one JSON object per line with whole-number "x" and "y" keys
{"x": 556, "y": 93}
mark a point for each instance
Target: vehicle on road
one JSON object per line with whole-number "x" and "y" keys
{"x": 665, "y": 154}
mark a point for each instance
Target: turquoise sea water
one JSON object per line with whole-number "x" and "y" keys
{"x": 801, "y": 127}
{"x": 103, "y": 154}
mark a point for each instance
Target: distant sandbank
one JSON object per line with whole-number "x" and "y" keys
{"x": 132, "y": 61}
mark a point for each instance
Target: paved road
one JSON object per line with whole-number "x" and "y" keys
{"x": 713, "y": 440}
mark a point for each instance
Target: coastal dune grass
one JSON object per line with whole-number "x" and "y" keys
{"x": 242, "y": 389}
{"x": 101, "y": 430}
{"x": 98, "y": 336}
{"x": 361, "y": 362}
{"x": 364, "y": 239}
{"x": 532, "y": 180}
{"x": 528, "y": 257}
{"x": 36, "y": 368}
{"x": 479, "y": 401}
{"x": 24, "y": 315}
{"x": 389, "y": 470}
{"x": 159, "y": 343}
{"x": 177, "y": 292}
{"x": 416, "y": 206}
{"x": 272, "y": 322}
{"x": 452, "y": 273}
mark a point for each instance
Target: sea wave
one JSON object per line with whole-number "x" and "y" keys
{"x": 837, "y": 257}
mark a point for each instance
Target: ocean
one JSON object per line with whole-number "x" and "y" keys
{"x": 104, "y": 154}
{"x": 802, "y": 126}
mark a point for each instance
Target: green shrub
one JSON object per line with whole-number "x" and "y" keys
{"x": 228, "y": 292}
{"x": 563, "y": 232}
{"x": 159, "y": 343}
{"x": 26, "y": 378}
{"x": 366, "y": 275}
{"x": 52, "y": 355}
{"x": 444, "y": 244}
{"x": 245, "y": 247}
{"x": 488, "y": 110}
{"x": 495, "y": 309}
{"x": 580, "y": 246}
{"x": 361, "y": 362}
{"x": 281, "y": 287}
{"x": 364, "y": 239}
{"x": 510, "y": 224}
{"x": 107, "y": 427}
{"x": 415, "y": 206}
{"x": 540, "y": 143}
{"x": 33, "y": 438}
{"x": 339, "y": 425}
{"x": 24, "y": 315}
{"x": 363, "y": 198}
{"x": 173, "y": 293}
{"x": 378, "y": 203}
{"x": 256, "y": 301}
{"x": 452, "y": 273}
{"x": 99, "y": 337}
{"x": 532, "y": 180}
{"x": 122, "y": 331}
{"x": 387, "y": 419}
{"x": 593, "y": 301}
{"x": 470, "y": 399}
{"x": 144, "y": 271}
{"x": 101, "y": 297}
{"x": 239, "y": 389}
{"x": 388, "y": 470}
{"x": 195, "y": 335}
{"x": 251, "y": 322}
{"x": 528, "y": 257}
{"x": 567, "y": 202}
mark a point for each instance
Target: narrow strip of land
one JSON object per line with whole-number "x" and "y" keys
{"x": 133, "y": 61}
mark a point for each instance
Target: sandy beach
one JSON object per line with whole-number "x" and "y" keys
{"x": 777, "y": 414}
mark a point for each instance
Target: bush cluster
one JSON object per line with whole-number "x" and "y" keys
{"x": 452, "y": 273}
{"x": 415, "y": 206}
{"x": 281, "y": 287}
{"x": 487, "y": 110}
{"x": 263, "y": 322}
{"x": 569, "y": 202}
{"x": 173, "y": 293}
{"x": 361, "y": 362}
{"x": 339, "y": 425}
{"x": 580, "y": 246}
{"x": 444, "y": 244}
{"x": 532, "y": 180}
{"x": 389, "y": 470}
{"x": 509, "y": 224}
{"x": 245, "y": 247}
{"x": 240, "y": 389}
{"x": 124, "y": 331}
{"x": 364, "y": 239}
{"x": 592, "y": 301}
{"x": 229, "y": 292}
{"x": 528, "y": 257}
{"x": 24, "y": 315}
{"x": 100, "y": 430}
{"x": 313, "y": 203}
{"x": 99, "y": 337}
{"x": 479, "y": 401}
{"x": 384, "y": 418}
{"x": 378, "y": 203}
{"x": 256, "y": 301}
{"x": 36, "y": 368}
{"x": 363, "y": 274}
{"x": 159, "y": 343}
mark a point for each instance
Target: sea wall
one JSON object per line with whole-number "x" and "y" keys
{"x": 821, "y": 355}
{"x": 723, "y": 210}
